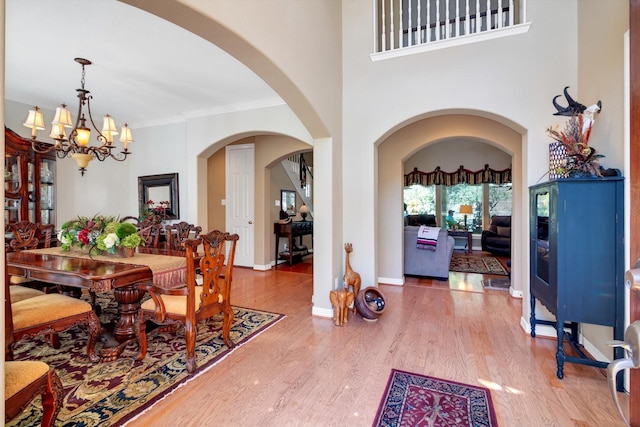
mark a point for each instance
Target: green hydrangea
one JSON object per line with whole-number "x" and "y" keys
{"x": 125, "y": 229}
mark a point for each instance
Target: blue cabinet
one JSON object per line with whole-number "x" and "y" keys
{"x": 577, "y": 259}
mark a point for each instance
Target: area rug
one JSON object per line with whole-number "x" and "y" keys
{"x": 476, "y": 264}
{"x": 114, "y": 392}
{"x": 500, "y": 283}
{"x": 417, "y": 400}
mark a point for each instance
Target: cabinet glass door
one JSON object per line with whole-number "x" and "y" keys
{"x": 542, "y": 236}
{"x": 12, "y": 188}
{"x": 47, "y": 191}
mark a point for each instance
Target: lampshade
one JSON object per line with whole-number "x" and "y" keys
{"x": 62, "y": 117}
{"x": 466, "y": 209}
{"x": 304, "y": 209}
{"x": 108, "y": 128}
{"x": 125, "y": 136}
{"x": 57, "y": 131}
{"x": 35, "y": 121}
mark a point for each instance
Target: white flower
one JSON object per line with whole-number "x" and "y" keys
{"x": 111, "y": 240}
{"x": 62, "y": 237}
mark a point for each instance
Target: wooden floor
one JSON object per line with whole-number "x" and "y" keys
{"x": 305, "y": 371}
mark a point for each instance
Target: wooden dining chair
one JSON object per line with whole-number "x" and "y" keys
{"x": 191, "y": 303}
{"x": 179, "y": 232}
{"x": 26, "y": 380}
{"x": 150, "y": 232}
{"x": 48, "y": 314}
{"x": 28, "y": 235}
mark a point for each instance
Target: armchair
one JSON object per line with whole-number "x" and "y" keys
{"x": 497, "y": 239}
{"x": 426, "y": 262}
{"x": 191, "y": 303}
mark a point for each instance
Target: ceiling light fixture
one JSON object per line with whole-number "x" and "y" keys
{"x": 76, "y": 145}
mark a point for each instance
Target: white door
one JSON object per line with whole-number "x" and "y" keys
{"x": 240, "y": 199}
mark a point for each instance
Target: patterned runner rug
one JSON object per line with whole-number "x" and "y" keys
{"x": 418, "y": 400}
{"x": 476, "y": 264}
{"x": 114, "y": 392}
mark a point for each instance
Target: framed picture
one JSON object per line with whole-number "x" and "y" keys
{"x": 288, "y": 202}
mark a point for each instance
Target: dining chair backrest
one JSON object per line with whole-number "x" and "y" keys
{"x": 29, "y": 235}
{"x": 179, "y": 232}
{"x": 150, "y": 233}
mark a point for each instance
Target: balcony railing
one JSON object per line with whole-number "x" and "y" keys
{"x": 409, "y": 23}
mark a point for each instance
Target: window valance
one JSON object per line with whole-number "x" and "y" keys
{"x": 461, "y": 176}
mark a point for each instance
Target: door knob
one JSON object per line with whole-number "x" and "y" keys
{"x": 631, "y": 345}
{"x": 250, "y": 222}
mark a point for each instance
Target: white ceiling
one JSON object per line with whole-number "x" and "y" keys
{"x": 145, "y": 71}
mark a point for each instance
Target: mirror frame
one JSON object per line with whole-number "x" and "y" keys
{"x": 285, "y": 197}
{"x": 165, "y": 180}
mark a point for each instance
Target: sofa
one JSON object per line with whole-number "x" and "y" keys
{"x": 427, "y": 262}
{"x": 421, "y": 219}
{"x": 497, "y": 239}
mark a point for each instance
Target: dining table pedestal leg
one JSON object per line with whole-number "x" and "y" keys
{"x": 124, "y": 331}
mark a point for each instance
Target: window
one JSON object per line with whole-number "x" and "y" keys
{"x": 486, "y": 200}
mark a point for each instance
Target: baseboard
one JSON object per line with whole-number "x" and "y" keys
{"x": 322, "y": 312}
{"x": 391, "y": 281}
{"x": 264, "y": 267}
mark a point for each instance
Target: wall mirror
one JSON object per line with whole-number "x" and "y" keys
{"x": 159, "y": 188}
{"x": 288, "y": 201}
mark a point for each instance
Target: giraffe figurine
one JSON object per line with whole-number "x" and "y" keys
{"x": 351, "y": 278}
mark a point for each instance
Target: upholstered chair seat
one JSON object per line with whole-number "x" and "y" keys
{"x": 20, "y": 293}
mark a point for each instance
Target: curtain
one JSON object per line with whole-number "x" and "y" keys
{"x": 461, "y": 176}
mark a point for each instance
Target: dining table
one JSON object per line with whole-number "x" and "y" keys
{"x": 104, "y": 273}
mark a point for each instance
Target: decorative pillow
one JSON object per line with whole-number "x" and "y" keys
{"x": 504, "y": 231}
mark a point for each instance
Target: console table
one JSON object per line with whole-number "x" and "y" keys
{"x": 456, "y": 234}
{"x": 289, "y": 231}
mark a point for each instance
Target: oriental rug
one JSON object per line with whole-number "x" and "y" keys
{"x": 417, "y": 400}
{"x": 112, "y": 393}
{"x": 499, "y": 283}
{"x": 476, "y": 264}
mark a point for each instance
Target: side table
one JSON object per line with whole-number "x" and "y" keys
{"x": 457, "y": 234}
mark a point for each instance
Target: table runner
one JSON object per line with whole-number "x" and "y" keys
{"x": 167, "y": 270}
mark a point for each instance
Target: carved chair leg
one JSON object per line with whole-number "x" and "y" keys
{"x": 54, "y": 340}
{"x": 190, "y": 335}
{"x": 51, "y": 399}
{"x": 226, "y": 328}
{"x": 141, "y": 334}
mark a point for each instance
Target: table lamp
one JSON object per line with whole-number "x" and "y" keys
{"x": 466, "y": 210}
{"x": 304, "y": 211}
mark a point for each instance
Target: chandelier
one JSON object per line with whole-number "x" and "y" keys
{"x": 76, "y": 145}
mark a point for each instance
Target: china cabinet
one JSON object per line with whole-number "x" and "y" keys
{"x": 577, "y": 259}
{"x": 29, "y": 182}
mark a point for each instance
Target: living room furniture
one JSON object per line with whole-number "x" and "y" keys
{"x": 577, "y": 259}
{"x": 497, "y": 238}
{"x": 290, "y": 231}
{"x": 421, "y": 219}
{"x": 191, "y": 303}
{"x": 24, "y": 381}
{"x": 427, "y": 262}
{"x": 462, "y": 235}
{"x": 29, "y": 182}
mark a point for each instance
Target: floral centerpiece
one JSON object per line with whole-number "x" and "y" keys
{"x": 154, "y": 212}
{"x": 580, "y": 158}
{"x": 100, "y": 233}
